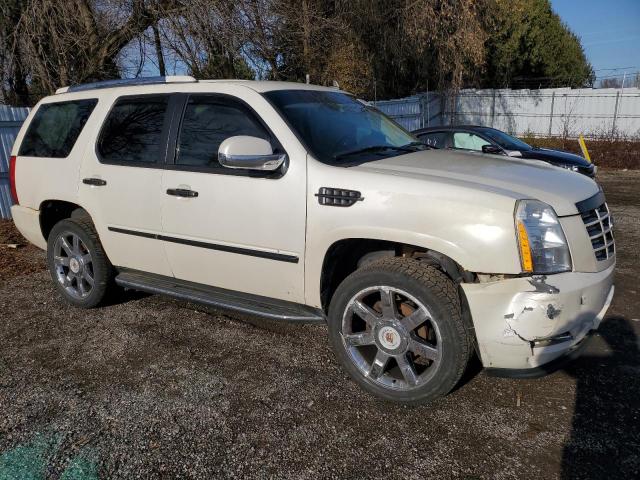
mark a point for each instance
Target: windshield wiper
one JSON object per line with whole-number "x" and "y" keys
{"x": 374, "y": 149}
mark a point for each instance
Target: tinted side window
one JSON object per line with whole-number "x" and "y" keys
{"x": 55, "y": 128}
{"x": 468, "y": 141}
{"x": 435, "y": 139}
{"x": 132, "y": 132}
{"x": 207, "y": 122}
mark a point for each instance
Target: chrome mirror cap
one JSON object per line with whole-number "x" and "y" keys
{"x": 249, "y": 153}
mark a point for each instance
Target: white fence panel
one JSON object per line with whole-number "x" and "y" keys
{"x": 546, "y": 112}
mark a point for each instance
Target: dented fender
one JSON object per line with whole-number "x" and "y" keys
{"x": 514, "y": 317}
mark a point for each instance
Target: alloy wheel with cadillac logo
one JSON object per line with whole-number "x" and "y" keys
{"x": 390, "y": 337}
{"x": 77, "y": 263}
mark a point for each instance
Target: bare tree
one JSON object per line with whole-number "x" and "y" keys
{"x": 13, "y": 76}
{"x": 312, "y": 34}
{"x": 79, "y": 40}
{"x": 397, "y": 46}
{"x": 455, "y": 30}
{"x": 208, "y": 37}
{"x": 157, "y": 42}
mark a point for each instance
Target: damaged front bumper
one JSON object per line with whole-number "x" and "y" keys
{"x": 533, "y": 322}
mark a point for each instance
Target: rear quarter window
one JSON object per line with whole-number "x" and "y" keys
{"x": 55, "y": 128}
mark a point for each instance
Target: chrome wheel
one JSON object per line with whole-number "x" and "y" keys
{"x": 391, "y": 338}
{"x": 73, "y": 265}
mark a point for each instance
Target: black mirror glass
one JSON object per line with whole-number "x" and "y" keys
{"x": 491, "y": 149}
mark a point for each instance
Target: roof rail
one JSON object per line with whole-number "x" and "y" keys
{"x": 127, "y": 82}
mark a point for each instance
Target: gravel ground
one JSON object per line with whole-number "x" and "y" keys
{"x": 153, "y": 388}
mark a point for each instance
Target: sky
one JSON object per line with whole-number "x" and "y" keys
{"x": 609, "y": 31}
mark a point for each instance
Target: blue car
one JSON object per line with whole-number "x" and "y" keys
{"x": 493, "y": 141}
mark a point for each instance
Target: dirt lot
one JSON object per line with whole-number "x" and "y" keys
{"x": 150, "y": 387}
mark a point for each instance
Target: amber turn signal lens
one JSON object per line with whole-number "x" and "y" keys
{"x": 525, "y": 248}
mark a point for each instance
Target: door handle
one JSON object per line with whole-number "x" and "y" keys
{"x": 96, "y": 182}
{"x": 182, "y": 192}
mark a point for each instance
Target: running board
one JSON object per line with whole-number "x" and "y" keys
{"x": 221, "y": 298}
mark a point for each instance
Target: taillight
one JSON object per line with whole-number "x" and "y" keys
{"x": 12, "y": 179}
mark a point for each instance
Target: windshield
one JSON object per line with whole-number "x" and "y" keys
{"x": 505, "y": 141}
{"x": 338, "y": 129}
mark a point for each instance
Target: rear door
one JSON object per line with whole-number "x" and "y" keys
{"x": 245, "y": 230}
{"x": 121, "y": 180}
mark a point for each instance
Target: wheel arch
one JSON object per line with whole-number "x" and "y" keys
{"x": 344, "y": 256}
{"x": 52, "y": 211}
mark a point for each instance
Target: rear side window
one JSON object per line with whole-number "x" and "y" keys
{"x": 435, "y": 139}
{"x": 133, "y": 132}
{"x": 55, "y": 128}
{"x": 207, "y": 122}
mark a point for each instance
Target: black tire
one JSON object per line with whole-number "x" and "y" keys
{"x": 102, "y": 271}
{"x": 438, "y": 295}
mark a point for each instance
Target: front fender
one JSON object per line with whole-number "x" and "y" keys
{"x": 461, "y": 250}
{"x": 471, "y": 225}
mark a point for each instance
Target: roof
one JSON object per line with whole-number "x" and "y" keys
{"x": 271, "y": 85}
{"x": 257, "y": 85}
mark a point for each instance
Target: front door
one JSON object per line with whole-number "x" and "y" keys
{"x": 234, "y": 229}
{"x": 121, "y": 179}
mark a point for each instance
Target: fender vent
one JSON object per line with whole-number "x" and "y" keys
{"x": 336, "y": 197}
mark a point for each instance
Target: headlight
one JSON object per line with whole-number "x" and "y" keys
{"x": 573, "y": 168}
{"x": 543, "y": 246}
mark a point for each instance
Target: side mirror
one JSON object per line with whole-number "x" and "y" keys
{"x": 491, "y": 149}
{"x": 249, "y": 153}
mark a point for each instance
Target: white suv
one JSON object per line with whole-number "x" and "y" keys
{"x": 299, "y": 203}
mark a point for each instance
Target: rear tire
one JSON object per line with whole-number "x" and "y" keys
{"x": 397, "y": 329}
{"x": 77, "y": 262}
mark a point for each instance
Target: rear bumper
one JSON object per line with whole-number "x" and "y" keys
{"x": 526, "y": 323}
{"x": 27, "y": 221}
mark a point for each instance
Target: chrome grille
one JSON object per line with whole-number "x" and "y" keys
{"x": 599, "y": 225}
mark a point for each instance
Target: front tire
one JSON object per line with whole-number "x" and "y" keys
{"x": 396, "y": 327}
{"x": 78, "y": 264}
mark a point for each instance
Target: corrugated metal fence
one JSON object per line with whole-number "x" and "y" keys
{"x": 11, "y": 119}
{"x": 547, "y": 112}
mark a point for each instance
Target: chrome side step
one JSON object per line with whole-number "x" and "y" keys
{"x": 221, "y": 298}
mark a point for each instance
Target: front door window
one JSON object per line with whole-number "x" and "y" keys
{"x": 468, "y": 141}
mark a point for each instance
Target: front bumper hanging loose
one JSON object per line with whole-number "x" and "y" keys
{"x": 524, "y": 324}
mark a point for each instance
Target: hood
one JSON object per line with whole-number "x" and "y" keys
{"x": 517, "y": 178}
{"x": 555, "y": 156}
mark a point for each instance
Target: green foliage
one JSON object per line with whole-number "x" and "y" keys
{"x": 529, "y": 46}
